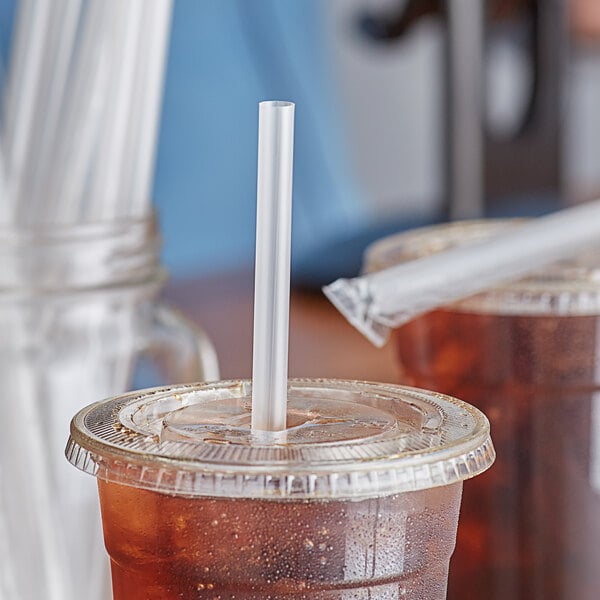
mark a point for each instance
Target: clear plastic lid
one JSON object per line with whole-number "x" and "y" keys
{"x": 344, "y": 439}
{"x": 568, "y": 287}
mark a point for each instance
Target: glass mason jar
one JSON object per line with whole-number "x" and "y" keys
{"x": 80, "y": 320}
{"x": 528, "y": 355}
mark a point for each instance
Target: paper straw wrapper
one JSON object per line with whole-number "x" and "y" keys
{"x": 380, "y": 301}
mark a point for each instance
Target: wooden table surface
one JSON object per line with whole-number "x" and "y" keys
{"x": 322, "y": 343}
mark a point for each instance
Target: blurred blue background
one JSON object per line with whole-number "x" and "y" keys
{"x": 225, "y": 57}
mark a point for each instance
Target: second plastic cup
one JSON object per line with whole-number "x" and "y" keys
{"x": 358, "y": 498}
{"x": 528, "y": 354}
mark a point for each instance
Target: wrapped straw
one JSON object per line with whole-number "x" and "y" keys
{"x": 272, "y": 267}
{"x": 380, "y": 301}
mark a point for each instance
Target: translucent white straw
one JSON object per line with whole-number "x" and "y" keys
{"x": 58, "y": 55}
{"x": 272, "y": 267}
{"x": 380, "y": 301}
{"x": 109, "y": 162}
{"x": 80, "y": 120}
{"x": 26, "y": 70}
{"x": 6, "y": 214}
{"x": 6, "y": 203}
{"x": 136, "y": 193}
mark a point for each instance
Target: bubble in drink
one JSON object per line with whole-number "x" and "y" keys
{"x": 358, "y": 498}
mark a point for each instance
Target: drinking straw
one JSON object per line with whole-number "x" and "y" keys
{"x": 8, "y": 567}
{"x": 109, "y": 160}
{"x": 5, "y": 207}
{"x": 21, "y": 383}
{"x": 26, "y": 70}
{"x": 145, "y": 108}
{"x": 5, "y": 202}
{"x": 80, "y": 120}
{"x": 57, "y": 58}
{"x": 272, "y": 267}
{"x": 377, "y": 302}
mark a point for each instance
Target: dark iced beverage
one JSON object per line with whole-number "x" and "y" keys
{"x": 359, "y": 498}
{"x": 169, "y": 548}
{"x": 528, "y": 356}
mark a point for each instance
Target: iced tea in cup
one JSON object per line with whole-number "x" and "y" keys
{"x": 528, "y": 355}
{"x": 358, "y": 498}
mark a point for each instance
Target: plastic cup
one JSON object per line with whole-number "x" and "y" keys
{"x": 358, "y": 498}
{"x": 528, "y": 355}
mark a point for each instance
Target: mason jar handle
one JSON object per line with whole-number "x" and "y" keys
{"x": 201, "y": 363}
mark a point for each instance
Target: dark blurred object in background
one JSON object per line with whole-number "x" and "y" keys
{"x": 496, "y": 168}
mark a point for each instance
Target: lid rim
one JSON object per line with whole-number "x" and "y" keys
{"x": 387, "y": 460}
{"x": 281, "y": 487}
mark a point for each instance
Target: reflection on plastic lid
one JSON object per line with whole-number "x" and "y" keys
{"x": 344, "y": 439}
